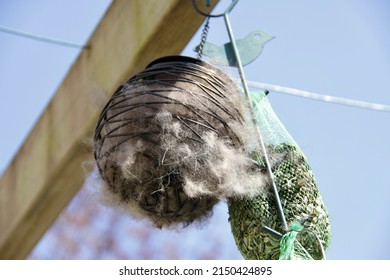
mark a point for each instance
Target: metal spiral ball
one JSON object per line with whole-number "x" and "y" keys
{"x": 176, "y": 100}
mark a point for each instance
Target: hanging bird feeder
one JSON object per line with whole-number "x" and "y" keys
{"x": 181, "y": 135}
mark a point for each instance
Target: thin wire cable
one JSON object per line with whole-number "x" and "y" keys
{"x": 321, "y": 97}
{"x": 42, "y": 38}
{"x": 279, "y": 207}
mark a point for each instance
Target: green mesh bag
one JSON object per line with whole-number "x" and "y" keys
{"x": 305, "y": 212}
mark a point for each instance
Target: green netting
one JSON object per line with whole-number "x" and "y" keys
{"x": 302, "y": 203}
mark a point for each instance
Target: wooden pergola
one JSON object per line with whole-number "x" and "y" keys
{"x": 47, "y": 170}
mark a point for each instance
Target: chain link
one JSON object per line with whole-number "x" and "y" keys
{"x": 203, "y": 38}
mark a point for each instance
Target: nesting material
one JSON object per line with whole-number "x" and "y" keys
{"x": 172, "y": 141}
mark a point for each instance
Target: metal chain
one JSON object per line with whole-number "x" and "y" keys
{"x": 203, "y": 38}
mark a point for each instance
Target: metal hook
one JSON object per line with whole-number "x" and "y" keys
{"x": 228, "y": 10}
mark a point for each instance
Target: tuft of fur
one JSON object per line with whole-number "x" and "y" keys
{"x": 227, "y": 172}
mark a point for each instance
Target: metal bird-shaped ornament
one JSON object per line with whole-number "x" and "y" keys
{"x": 249, "y": 49}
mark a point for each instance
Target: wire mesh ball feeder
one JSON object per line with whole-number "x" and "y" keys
{"x": 159, "y": 136}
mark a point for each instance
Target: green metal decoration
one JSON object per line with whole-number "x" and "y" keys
{"x": 249, "y": 49}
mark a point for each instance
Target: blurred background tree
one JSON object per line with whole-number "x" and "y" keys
{"x": 86, "y": 229}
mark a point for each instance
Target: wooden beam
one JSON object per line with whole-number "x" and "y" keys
{"x": 46, "y": 172}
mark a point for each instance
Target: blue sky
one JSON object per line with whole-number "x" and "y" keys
{"x": 333, "y": 47}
